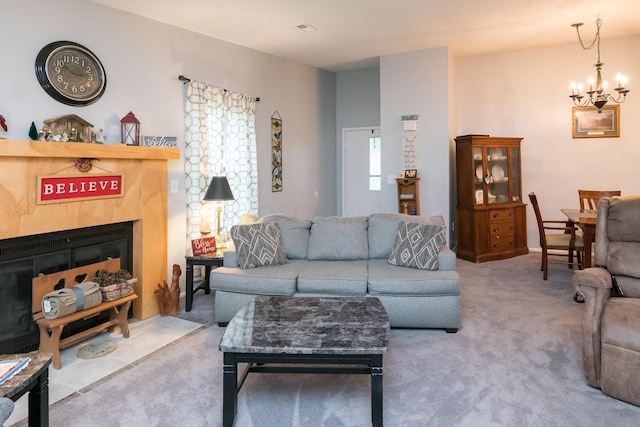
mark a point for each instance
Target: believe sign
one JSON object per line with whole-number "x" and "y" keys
{"x": 58, "y": 189}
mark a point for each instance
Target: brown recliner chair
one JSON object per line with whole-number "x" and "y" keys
{"x": 611, "y": 326}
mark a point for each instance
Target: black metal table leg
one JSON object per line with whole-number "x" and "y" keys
{"x": 376, "y": 390}
{"x": 229, "y": 389}
{"x": 39, "y": 401}
{"x": 189, "y": 287}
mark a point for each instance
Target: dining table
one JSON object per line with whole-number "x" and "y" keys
{"x": 586, "y": 220}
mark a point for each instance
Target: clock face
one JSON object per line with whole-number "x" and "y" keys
{"x": 70, "y": 73}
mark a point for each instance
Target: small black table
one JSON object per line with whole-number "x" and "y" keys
{"x": 32, "y": 379}
{"x": 286, "y": 334}
{"x": 212, "y": 260}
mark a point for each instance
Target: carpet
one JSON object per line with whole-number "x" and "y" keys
{"x": 97, "y": 349}
{"x": 516, "y": 361}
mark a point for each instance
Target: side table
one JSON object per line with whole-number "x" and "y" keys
{"x": 212, "y": 260}
{"x": 33, "y": 379}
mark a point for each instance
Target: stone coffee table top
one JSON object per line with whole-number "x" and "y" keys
{"x": 308, "y": 325}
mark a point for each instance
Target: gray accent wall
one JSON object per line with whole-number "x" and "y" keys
{"x": 357, "y": 105}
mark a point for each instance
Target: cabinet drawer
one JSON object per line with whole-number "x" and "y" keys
{"x": 501, "y": 228}
{"x": 500, "y": 215}
{"x": 502, "y": 243}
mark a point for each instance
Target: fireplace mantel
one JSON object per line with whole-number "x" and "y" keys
{"x": 144, "y": 200}
{"x": 14, "y": 148}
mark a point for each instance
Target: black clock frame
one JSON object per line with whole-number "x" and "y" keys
{"x": 43, "y": 79}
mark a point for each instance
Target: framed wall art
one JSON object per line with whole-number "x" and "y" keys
{"x": 587, "y": 122}
{"x": 276, "y": 152}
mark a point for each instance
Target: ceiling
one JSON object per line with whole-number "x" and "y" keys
{"x": 353, "y": 34}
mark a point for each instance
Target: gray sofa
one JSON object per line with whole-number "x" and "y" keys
{"x": 336, "y": 256}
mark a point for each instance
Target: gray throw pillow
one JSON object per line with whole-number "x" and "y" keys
{"x": 417, "y": 245}
{"x": 258, "y": 244}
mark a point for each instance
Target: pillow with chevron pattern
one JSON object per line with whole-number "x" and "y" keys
{"x": 417, "y": 245}
{"x": 258, "y": 244}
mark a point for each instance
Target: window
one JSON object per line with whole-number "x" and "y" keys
{"x": 375, "y": 162}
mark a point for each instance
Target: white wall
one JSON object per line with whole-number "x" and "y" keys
{"x": 417, "y": 83}
{"x": 525, "y": 93}
{"x": 143, "y": 59}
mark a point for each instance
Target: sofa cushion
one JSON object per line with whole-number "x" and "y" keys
{"x": 387, "y": 279}
{"x": 338, "y": 238}
{"x": 270, "y": 280}
{"x": 417, "y": 245}
{"x": 258, "y": 244}
{"x": 333, "y": 277}
{"x": 384, "y": 227}
{"x": 295, "y": 234}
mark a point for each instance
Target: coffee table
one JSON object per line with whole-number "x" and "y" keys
{"x": 322, "y": 332}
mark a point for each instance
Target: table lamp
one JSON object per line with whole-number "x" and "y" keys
{"x": 218, "y": 191}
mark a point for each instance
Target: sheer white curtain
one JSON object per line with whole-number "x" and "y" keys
{"x": 220, "y": 139}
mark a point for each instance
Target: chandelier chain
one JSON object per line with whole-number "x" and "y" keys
{"x": 596, "y": 39}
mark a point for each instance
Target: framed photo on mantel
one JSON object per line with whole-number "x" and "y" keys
{"x": 588, "y": 123}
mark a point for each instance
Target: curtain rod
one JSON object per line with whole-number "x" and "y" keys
{"x": 184, "y": 79}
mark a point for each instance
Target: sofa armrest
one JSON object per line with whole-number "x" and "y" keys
{"x": 594, "y": 285}
{"x": 230, "y": 258}
{"x": 446, "y": 259}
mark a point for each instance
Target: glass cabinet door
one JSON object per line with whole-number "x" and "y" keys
{"x": 497, "y": 175}
{"x": 515, "y": 174}
{"x": 478, "y": 175}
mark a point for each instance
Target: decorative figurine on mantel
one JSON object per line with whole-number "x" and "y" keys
{"x": 75, "y": 128}
{"x": 100, "y": 137}
{"x": 3, "y": 124}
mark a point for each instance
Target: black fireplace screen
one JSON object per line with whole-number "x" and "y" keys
{"x": 23, "y": 258}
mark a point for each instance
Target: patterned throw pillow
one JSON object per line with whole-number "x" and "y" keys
{"x": 417, "y": 245}
{"x": 258, "y": 244}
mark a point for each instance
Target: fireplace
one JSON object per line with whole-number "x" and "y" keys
{"x": 142, "y": 203}
{"x": 23, "y": 258}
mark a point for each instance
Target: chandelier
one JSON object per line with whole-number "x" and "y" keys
{"x": 598, "y": 95}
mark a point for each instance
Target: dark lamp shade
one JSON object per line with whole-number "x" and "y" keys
{"x": 219, "y": 189}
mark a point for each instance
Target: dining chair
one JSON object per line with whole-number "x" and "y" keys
{"x": 589, "y": 198}
{"x": 557, "y": 239}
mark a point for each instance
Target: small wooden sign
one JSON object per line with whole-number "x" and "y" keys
{"x": 204, "y": 246}
{"x": 58, "y": 189}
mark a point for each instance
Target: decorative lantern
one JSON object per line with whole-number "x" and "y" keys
{"x": 130, "y": 129}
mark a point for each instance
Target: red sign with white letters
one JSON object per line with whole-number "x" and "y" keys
{"x": 58, "y": 189}
{"x": 204, "y": 246}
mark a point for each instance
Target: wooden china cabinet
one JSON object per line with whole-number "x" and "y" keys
{"x": 490, "y": 213}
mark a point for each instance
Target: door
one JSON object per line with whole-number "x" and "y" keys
{"x": 361, "y": 172}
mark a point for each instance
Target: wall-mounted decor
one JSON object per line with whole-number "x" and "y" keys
{"x": 276, "y": 152}
{"x": 58, "y": 189}
{"x": 410, "y": 151}
{"x": 587, "y": 122}
{"x": 70, "y": 73}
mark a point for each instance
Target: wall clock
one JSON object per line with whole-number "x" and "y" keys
{"x": 70, "y": 73}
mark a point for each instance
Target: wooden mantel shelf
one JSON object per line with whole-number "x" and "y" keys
{"x": 15, "y": 148}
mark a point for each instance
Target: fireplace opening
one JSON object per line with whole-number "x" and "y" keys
{"x": 23, "y": 258}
